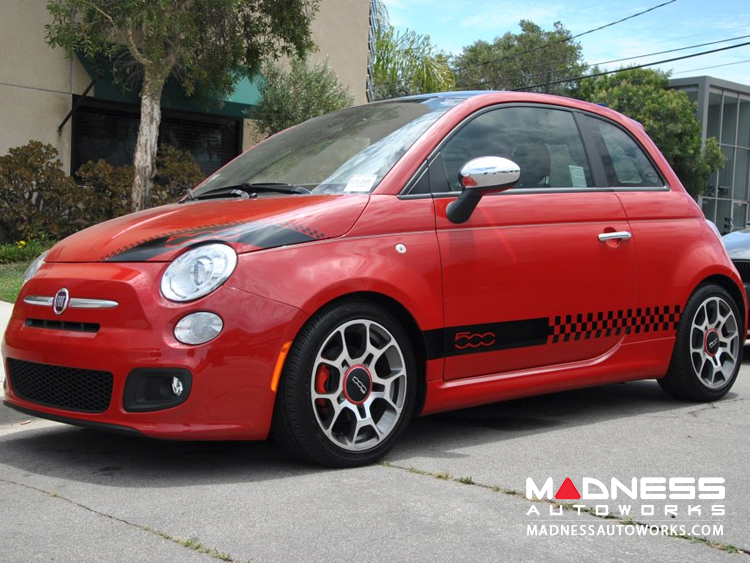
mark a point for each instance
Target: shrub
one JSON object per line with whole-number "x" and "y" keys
{"x": 303, "y": 92}
{"x": 176, "y": 171}
{"x": 37, "y": 199}
{"x": 110, "y": 185}
{"x": 23, "y": 250}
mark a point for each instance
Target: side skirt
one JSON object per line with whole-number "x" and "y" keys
{"x": 627, "y": 362}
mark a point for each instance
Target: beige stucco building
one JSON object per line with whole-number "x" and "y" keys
{"x": 39, "y": 87}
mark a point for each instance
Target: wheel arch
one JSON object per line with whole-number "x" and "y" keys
{"x": 731, "y": 287}
{"x": 407, "y": 321}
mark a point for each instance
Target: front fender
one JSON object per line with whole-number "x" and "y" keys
{"x": 309, "y": 276}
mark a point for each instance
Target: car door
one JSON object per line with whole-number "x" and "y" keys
{"x": 539, "y": 275}
{"x": 664, "y": 223}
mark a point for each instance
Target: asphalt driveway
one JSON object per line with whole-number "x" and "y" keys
{"x": 453, "y": 489}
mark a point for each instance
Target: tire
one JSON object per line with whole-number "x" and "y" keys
{"x": 708, "y": 349}
{"x": 348, "y": 387}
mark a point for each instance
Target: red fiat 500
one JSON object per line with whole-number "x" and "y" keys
{"x": 401, "y": 258}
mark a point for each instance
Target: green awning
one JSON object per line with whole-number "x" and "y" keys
{"x": 238, "y": 105}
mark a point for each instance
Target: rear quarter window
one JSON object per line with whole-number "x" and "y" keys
{"x": 625, "y": 161}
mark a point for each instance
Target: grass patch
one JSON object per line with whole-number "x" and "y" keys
{"x": 23, "y": 251}
{"x": 11, "y": 280}
{"x": 195, "y": 545}
{"x": 15, "y": 257}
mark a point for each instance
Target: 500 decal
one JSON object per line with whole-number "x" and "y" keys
{"x": 468, "y": 339}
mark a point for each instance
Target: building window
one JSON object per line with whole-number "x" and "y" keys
{"x": 729, "y": 119}
{"x": 727, "y": 115}
{"x": 108, "y": 131}
{"x": 743, "y": 131}
{"x": 714, "y": 114}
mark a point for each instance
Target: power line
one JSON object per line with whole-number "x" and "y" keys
{"x": 672, "y": 40}
{"x": 566, "y": 39}
{"x": 622, "y": 20}
{"x": 551, "y": 73}
{"x": 670, "y": 50}
{"x": 644, "y": 65}
{"x": 714, "y": 66}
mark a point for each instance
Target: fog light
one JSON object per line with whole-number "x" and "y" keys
{"x": 198, "y": 328}
{"x": 177, "y": 386}
{"x": 155, "y": 389}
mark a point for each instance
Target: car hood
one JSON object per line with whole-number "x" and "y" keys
{"x": 159, "y": 234}
{"x": 738, "y": 244}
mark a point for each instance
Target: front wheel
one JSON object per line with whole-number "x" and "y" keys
{"x": 708, "y": 349}
{"x": 348, "y": 387}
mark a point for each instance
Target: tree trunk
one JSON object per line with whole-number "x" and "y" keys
{"x": 145, "y": 147}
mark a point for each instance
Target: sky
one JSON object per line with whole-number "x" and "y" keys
{"x": 453, "y": 24}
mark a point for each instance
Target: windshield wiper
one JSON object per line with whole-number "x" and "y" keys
{"x": 247, "y": 190}
{"x": 188, "y": 195}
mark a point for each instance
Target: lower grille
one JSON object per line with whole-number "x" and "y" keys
{"x": 743, "y": 267}
{"x": 61, "y": 387}
{"x": 62, "y": 325}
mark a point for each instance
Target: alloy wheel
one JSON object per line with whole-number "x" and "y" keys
{"x": 714, "y": 342}
{"x": 358, "y": 385}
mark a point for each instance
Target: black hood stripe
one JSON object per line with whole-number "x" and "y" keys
{"x": 261, "y": 235}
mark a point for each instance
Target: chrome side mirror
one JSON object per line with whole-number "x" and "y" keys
{"x": 486, "y": 174}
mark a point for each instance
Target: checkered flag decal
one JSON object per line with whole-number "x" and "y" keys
{"x": 583, "y": 326}
{"x": 304, "y": 229}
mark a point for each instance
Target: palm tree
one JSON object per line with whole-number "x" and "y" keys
{"x": 406, "y": 62}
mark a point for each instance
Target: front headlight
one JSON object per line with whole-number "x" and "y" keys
{"x": 198, "y": 272}
{"x": 34, "y": 267}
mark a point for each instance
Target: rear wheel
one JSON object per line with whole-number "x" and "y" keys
{"x": 708, "y": 350}
{"x": 348, "y": 387}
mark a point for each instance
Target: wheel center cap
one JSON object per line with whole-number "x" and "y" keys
{"x": 712, "y": 342}
{"x": 357, "y": 384}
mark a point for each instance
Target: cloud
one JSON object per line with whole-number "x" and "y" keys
{"x": 506, "y": 19}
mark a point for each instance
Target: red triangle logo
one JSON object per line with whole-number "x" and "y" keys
{"x": 567, "y": 491}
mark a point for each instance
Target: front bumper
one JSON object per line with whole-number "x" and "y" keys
{"x": 230, "y": 395}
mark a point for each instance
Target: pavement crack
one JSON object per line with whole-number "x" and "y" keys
{"x": 189, "y": 543}
{"x": 444, "y": 476}
{"x": 707, "y": 407}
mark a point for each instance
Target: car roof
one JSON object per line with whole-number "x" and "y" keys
{"x": 499, "y": 96}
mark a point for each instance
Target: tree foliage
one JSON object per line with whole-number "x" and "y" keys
{"x": 408, "y": 63}
{"x": 666, "y": 114}
{"x": 204, "y": 44}
{"x": 523, "y": 60}
{"x": 302, "y": 92}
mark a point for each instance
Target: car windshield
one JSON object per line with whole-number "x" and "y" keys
{"x": 348, "y": 151}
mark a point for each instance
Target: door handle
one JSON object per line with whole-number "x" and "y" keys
{"x": 617, "y": 235}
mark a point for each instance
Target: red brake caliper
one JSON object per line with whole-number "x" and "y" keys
{"x": 321, "y": 383}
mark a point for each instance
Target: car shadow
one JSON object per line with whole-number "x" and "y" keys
{"x": 443, "y": 435}
{"x": 72, "y": 453}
